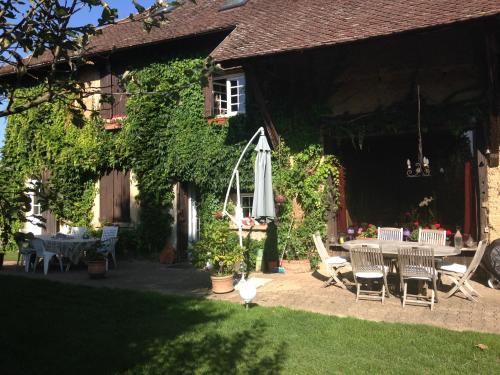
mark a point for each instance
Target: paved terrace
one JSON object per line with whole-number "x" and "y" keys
{"x": 301, "y": 291}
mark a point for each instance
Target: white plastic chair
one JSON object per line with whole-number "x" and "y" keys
{"x": 45, "y": 251}
{"x": 109, "y": 238}
{"x": 460, "y": 274}
{"x": 332, "y": 264}
{"x": 431, "y": 237}
{"x": 390, "y": 234}
{"x": 78, "y": 232}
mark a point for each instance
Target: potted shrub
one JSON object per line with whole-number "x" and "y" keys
{"x": 96, "y": 263}
{"x": 299, "y": 248}
{"x": 218, "y": 252}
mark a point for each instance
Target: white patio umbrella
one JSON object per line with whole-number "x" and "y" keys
{"x": 263, "y": 200}
{"x": 263, "y": 204}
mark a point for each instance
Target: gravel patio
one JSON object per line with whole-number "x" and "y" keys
{"x": 302, "y": 291}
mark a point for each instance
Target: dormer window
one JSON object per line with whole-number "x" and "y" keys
{"x": 230, "y": 4}
{"x": 229, "y": 95}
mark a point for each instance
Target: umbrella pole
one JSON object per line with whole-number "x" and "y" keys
{"x": 239, "y": 211}
{"x": 259, "y": 132}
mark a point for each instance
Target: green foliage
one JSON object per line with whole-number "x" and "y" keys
{"x": 51, "y": 138}
{"x": 310, "y": 179}
{"x": 218, "y": 248}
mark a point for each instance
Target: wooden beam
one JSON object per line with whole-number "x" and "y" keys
{"x": 261, "y": 103}
{"x": 482, "y": 196}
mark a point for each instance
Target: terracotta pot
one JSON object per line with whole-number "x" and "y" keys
{"x": 222, "y": 284}
{"x": 96, "y": 269}
{"x": 296, "y": 266}
{"x": 271, "y": 264}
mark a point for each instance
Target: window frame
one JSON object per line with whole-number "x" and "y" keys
{"x": 241, "y": 95}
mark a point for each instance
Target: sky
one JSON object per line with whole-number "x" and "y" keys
{"x": 124, "y": 7}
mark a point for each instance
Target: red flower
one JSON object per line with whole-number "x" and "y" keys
{"x": 437, "y": 226}
{"x": 416, "y": 223}
{"x": 370, "y": 225}
{"x": 448, "y": 232}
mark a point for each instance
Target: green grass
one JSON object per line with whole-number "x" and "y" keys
{"x": 10, "y": 255}
{"x": 53, "y": 328}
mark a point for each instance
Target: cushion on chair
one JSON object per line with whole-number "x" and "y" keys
{"x": 372, "y": 274}
{"x": 455, "y": 267}
{"x": 336, "y": 260}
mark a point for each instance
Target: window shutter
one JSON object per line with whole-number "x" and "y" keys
{"x": 106, "y": 90}
{"x": 114, "y": 191}
{"x": 106, "y": 198}
{"x": 119, "y": 100}
{"x": 209, "y": 97}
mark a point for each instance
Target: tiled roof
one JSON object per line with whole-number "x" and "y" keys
{"x": 270, "y": 26}
{"x": 284, "y": 25}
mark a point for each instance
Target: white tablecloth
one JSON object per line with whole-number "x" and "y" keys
{"x": 68, "y": 247}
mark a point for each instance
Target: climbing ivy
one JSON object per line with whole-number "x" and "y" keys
{"x": 165, "y": 139}
{"x": 50, "y": 137}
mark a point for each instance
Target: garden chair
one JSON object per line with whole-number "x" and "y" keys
{"x": 78, "y": 232}
{"x": 390, "y": 234}
{"x": 24, "y": 255}
{"x": 460, "y": 274}
{"x": 432, "y": 237}
{"x": 417, "y": 263}
{"x": 109, "y": 238}
{"x": 332, "y": 264}
{"x": 46, "y": 251}
{"x": 368, "y": 264}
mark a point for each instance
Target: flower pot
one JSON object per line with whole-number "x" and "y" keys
{"x": 296, "y": 266}
{"x": 271, "y": 264}
{"x": 96, "y": 269}
{"x": 222, "y": 284}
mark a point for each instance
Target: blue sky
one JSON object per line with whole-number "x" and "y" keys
{"x": 124, "y": 7}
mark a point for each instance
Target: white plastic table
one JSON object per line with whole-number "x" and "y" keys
{"x": 391, "y": 247}
{"x": 69, "y": 247}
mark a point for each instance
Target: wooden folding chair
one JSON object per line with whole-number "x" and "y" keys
{"x": 417, "y": 263}
{"x": 460, "y": 274}
{"x": 332, "y": 264}
{"x": 368, "y": 264}
{"x": 390, "y": 234}
{"x": 431, "y": 237}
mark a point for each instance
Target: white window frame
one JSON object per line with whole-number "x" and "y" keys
{"x": 243, "y": 207}
{"x": 230, "y": 99}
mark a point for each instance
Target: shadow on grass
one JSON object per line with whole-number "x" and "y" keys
{"x": 53, "y": 328}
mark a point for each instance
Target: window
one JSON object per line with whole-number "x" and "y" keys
{"x": 229, "y": 95}
{"x": 36, "y": 206}
{"x": 246, "y": 204}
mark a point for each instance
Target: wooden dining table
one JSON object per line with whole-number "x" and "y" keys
{"x": 391, "y": 247}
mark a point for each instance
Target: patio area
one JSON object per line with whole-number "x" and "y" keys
{"x": 301, "y": 291}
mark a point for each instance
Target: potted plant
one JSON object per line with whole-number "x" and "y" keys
{"x": 96, "y": 263}
{"x": 369, "y": 231}
{"x": 218, "y": 252}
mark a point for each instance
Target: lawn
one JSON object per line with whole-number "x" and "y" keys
{"x": 53, "y": 328}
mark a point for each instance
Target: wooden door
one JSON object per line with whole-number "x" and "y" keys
{"x": 51, "y": 225}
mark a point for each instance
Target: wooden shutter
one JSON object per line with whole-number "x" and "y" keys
{"x": 115, "y": 197}
{"x": 106, "y": 90}
{"x": 119, "y": 101}
{"x": 50, "y": 225}
{"x": 106, "y": 198}
{"x": 208, "y": 92}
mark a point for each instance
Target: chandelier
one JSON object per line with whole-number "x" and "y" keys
{"x": 421, "y": 166}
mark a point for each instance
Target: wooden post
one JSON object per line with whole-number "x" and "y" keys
{"x": 493, "y": 71}
{"x": 482, "y": 170}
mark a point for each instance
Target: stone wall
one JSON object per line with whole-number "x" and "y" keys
{"x": 494, "y": 203}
